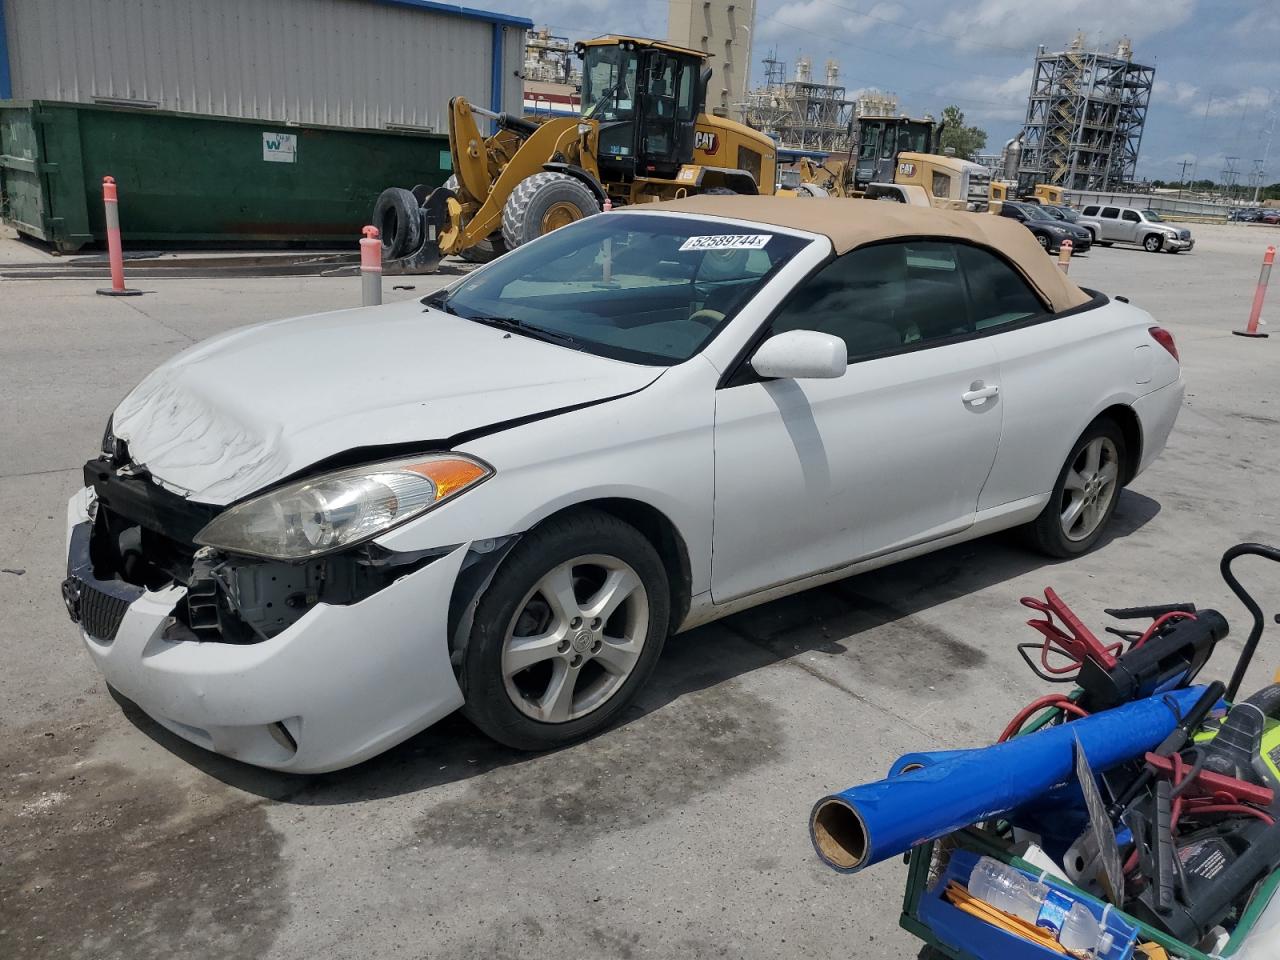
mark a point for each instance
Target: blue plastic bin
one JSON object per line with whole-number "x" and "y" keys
{"x": 967, "y": 934}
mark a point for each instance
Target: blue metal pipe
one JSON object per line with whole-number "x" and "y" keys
{"x": 866, "y": 824}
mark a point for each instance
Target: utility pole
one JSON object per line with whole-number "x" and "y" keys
{"x": 1266, "y": 151}
{"x": 1182, "y": 177}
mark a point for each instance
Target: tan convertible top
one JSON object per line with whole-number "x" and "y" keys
{"x": 855, "y": 223}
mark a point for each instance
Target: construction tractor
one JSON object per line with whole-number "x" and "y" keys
{"x": 896, "y": 159}
{"x": 936, "y": 180}
{"x": 1040, "y": 193}
{"x": 643, "y": 136}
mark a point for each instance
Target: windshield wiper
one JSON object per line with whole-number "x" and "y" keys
{"x": 528, "y": 330}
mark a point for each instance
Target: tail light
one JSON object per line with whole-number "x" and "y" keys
{"x": 1163, "y": 337}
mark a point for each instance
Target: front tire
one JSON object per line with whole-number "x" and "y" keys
{"x": 567, "y": 633}
{"x": 1152, "y": 242}
{"x": 1043, "y": 240}
{"x": 542, "y": 203}
{"x": 1085, "y": 494}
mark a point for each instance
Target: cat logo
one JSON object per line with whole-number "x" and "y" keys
{"x": 706, "y": 141}
{"x": 907, "y": 169}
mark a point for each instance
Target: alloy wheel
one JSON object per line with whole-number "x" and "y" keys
{"x": 1090, "y": 487}
{"x": 575, "y": 638}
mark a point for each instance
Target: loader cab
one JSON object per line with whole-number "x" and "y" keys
{"x": 645, "y": 99}
{"x": 881, "y": 139}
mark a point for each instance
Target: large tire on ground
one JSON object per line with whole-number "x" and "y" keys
{"x": 1085, "y": 494}
{"x": 811, "y": 190}
{"x": 567, "y": 632}
{"x": 718, "y": 192}
{"x": 486, "y": 250}
{"x": 1152, "y": 242}
{"x": 542, "y": 203}
{"x": 395, "y": 214}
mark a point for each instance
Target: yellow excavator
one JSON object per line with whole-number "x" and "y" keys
{"x": 643, "y": 136}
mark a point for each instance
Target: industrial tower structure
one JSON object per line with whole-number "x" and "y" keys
{"x": 1084, "y": 118}
{"x": 721, "y": 28}
{"x": 801, "y": 113}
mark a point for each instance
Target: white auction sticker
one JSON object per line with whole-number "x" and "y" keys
{"x": 728, "y": 241}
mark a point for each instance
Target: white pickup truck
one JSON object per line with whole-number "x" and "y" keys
{"x": 1134, "y": 225}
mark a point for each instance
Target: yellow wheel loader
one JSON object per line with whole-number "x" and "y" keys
{"x": 643, "y": 136}
{"x": 896, "y": 160}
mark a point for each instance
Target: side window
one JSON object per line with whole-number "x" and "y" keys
{"x": 749, "y": 161}
{"x": 1111, "y": 213}
{"x": 684, "y": 96}
{"x": 997, "y": 293}
{"x": 1132, "y": 216}
{"x": 1089, "y": 212}
{"x": 882, "y": 299}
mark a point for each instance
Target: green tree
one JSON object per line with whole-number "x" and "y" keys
{"x": 966, "y": 141}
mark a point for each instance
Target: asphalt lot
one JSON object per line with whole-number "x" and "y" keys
{"x": 681, "y": 832}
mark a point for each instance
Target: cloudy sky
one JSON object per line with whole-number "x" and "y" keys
{"x": 1217, "y": 61}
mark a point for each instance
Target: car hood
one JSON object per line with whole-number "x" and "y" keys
{"x": 243, "y": 410}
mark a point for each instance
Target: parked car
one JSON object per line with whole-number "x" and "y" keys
{"x": 1249, "y": 215}
{"x": 303, "y": 542}
{"x": 1146, "y": 228}
{"x": 1066, "y": 214}
{"x": 1270, "y": 215}
{"x": 1048, "y": 230}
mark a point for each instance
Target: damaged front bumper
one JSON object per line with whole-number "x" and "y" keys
{"x": 337, "y": 685}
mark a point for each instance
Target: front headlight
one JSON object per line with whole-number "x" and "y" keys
{"x": 337, "y": 510}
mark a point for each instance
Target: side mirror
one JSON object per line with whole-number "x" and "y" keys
{"x": 801, "y": 355}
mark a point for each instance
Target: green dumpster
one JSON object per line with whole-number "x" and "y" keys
{"x": 198, "y": 180}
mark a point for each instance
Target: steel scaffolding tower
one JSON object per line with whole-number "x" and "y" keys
{"x": 1084, "y": 118}
{"x": 802, "y": 113}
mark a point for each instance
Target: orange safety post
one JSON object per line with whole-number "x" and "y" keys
{"x": 1255, "y": 314}
{"x": 115, "y": 253}
{"x": 370, "y": 268}
{"x": 1065, "y": 249}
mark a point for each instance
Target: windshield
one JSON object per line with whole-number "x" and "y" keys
{"x": 609, "y": 83}
{"x": 1033, "y": 212}
{"x": 638, "y": 287}
{"x": 1153, "y": 216}
{"x": 1066, "y": 213}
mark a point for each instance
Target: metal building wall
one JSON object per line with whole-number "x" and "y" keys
{"x": 355, "y": 63}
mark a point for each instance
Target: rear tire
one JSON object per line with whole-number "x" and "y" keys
{"x": 542, "y": 203}
{"x": 395, "y": 214}
{"x": 1085, "y": 494}
{"x": 485, "y": 250}
{"x": 530, "y": 640}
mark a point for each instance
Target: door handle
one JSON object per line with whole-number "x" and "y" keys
{"x": 979, "y": 391}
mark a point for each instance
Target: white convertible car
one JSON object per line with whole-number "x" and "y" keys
{"x": 305, "y": 541}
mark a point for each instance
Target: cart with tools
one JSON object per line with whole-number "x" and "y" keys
{"x": 1187, "y": 781}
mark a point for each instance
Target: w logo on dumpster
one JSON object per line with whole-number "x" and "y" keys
{"x": 280, "y": 147}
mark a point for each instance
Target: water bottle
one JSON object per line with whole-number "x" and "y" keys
{"x": 1082, "y": 932}
{"x": 1007, "y": 889}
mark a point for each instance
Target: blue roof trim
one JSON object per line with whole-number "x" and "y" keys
{"x": 6, "y": 81}
{"x": 470, "y": 13}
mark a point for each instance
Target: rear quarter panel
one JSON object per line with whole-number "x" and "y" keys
{"x": 1055, "y": 378}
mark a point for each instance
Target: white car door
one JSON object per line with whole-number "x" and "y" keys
{"x": 811, "y": 475}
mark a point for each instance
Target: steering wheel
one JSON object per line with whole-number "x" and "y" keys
{"x": 706, "y": 317}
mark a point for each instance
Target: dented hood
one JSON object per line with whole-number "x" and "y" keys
{"x": 236, "y": 413}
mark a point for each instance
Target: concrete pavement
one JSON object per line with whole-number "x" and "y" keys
{"x": 682, "y": 832}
